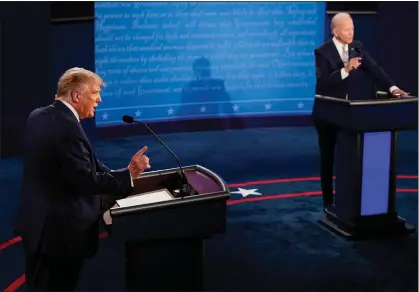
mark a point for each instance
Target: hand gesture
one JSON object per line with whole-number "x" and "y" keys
{"x": 353, "y": 63}
{"x": 139, "y": 163}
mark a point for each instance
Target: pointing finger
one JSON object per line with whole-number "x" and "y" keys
{"x": 141, "y": 152}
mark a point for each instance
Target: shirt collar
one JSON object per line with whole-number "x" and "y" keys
{"x": 72, "y": 109}
{"x": 339, "y": 45}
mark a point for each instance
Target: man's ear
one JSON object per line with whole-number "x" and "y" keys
{"x": 75, "y": 96}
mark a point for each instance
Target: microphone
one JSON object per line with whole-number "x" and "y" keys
{"x": 358, "y": 52}
{"x": 181, "y": 186}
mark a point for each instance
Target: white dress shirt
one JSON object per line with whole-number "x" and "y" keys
{"x": 343, "y": 50}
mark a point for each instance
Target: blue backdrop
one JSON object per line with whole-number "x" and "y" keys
{"x": 171, "y": 60}
{"x": 62, "y": 52}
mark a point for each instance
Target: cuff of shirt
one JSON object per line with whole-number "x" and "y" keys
{"x": 132, "y": 182}
{"x": 343, "y": 73}
{"x": 393, "y": 88}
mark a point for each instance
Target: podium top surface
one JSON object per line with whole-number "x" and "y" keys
{"x": 368, "y": 115}
{"x": 208, "y": 184}
{"x": 202, "y": 179}
{"x": 368, "y": 102}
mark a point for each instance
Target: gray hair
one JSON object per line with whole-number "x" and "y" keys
{"x": 337, "y": 18}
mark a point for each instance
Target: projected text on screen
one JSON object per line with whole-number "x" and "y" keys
{"x": 167, "y": 60}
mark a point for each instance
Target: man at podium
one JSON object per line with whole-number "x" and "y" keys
{"x": 59, "y": 207}
{"x": 344, "y": 70}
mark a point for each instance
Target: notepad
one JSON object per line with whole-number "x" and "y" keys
{"x": 146, "y": 198}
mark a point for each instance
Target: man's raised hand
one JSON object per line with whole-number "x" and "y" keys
{"x": 139, "y": 163}
{"x": 353, "y": 63}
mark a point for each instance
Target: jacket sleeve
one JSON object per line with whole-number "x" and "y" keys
{"x": 375, "y": 70}
{"x": 324, "y": 76}
{"x": 78, "y": 171}
{"x": 101, "y": 167}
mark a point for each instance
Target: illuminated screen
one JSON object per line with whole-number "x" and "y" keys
{"x": 192, "y": 60}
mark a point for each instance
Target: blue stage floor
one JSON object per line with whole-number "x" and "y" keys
{"x": 273, "y": 241}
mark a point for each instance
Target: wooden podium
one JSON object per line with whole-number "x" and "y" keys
{"x": 365, "y": 204}
{"x": 164, "y": 241}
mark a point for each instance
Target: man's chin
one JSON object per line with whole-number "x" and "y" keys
{"x": 89, "y": 116}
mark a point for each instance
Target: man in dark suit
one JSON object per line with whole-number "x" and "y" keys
{"x": 59, "y": 209}
{"x": 344, "y": 70}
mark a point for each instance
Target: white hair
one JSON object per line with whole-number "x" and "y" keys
{"x": 337, "y": 18}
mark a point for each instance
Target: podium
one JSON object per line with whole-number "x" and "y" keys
{"x": 365, "y": 164}
{"x": 164, "y": 241}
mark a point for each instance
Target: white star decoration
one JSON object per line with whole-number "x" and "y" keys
{"x": 246, "y": 193}
{"x": 203, "y": 109}
{"x": 138, "y": 113}
{"x": 170, "y": 111}
{"x": 300, "y": 105}
{"x": 105, "y": 116}
{"x": 235, "y": 107}
{"x": 268, "y": 106}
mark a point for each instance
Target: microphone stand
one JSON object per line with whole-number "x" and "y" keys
{"x": 178, "y": 184}
{"x": 185, "y": 188}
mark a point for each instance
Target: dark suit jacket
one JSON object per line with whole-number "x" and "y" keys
{"x": 359, "y": 85}
{"x": 59, "y": 207}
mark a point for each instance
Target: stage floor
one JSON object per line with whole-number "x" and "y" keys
{"x": 273, "y": 239}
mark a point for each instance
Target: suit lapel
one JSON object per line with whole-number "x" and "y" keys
{"x": 85, "y": 137}
{"x": 334, "y": 54}
{"x": 88, "y": 145}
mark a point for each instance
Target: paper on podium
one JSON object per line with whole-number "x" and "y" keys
{"x": 146, "y": 198}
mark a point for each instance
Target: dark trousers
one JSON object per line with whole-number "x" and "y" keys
{"x": 327, "y": 138}
{"x": 52, "y": 273}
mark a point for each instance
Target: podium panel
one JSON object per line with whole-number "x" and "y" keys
{"x": 365, "y": 185}
{"x": 164, "y": 241}
{"x": 375, "y": 173}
